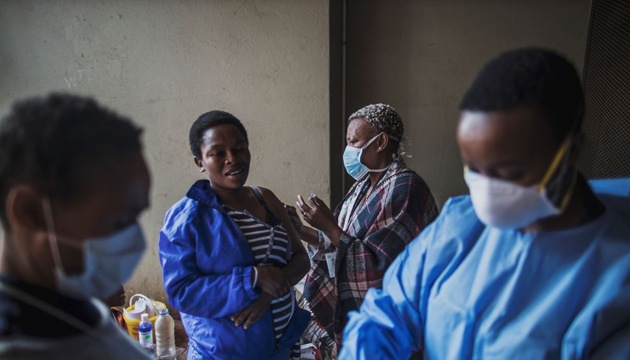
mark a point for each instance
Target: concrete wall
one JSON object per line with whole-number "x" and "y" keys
{"x": 164, "y": 63}
{"x": 420, "y": 56}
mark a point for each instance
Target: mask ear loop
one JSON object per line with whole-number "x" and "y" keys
{"x": 554, "y": 164}
{"x": 565, "y": 200}
{"x": 52, "y": 235}
{"x": 403, "y": 144}
{"x": 569, "y": 147}
{"x": 370, "y": 141}
{"x": 553, "y": 167}
{"x": 558, "y": 157}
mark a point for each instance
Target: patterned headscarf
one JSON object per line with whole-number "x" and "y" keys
{"x": 382, "y": 117}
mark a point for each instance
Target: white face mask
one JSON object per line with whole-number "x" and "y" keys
{"x": 108, "y": 262}
{"x": 352, "y": 161}
{"x": 505, "y": 205}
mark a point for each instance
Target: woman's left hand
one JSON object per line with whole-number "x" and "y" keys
{"x": 251, "y": 314}
{"x": 317, "y": 213}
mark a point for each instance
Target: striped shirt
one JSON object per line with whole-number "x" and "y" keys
{"x": 270, "y": 244}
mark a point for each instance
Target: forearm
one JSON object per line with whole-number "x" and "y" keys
{"x": 265, "y": 297}
{"x": 185, "y": 284}
{"x": 334, "y": 234}
{"x": 234, "y": 290}
{"x": 309, "y": 235}
{"x": 381, "y": 326}
{"x": 296, "y": 268}
{"x": 365, "y": 338}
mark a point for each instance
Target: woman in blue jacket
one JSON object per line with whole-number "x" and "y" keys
{"x": 230, "y": 255}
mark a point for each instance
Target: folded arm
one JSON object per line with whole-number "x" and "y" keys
{"x": 195, "y": 293}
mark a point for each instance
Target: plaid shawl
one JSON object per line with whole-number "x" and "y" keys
{"x": 394, "y": 212}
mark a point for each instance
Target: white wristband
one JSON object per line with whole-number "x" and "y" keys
{"x": 255, "y": 277}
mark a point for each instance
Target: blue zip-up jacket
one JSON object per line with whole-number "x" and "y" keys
{"x": 207, "y": 267}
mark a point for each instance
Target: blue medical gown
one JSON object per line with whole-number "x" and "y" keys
{"x": 615, "y": 186}
{"x": 462, "y": 290}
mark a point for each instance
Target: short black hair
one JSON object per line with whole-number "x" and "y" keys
{"x": 207, "y": 121}
{"x": 535, "y": 78}
{"x": 52, "y": 142}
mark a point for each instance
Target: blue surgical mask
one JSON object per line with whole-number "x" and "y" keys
{"x": 108, "y": 262}
{"x": 352, "y": 161}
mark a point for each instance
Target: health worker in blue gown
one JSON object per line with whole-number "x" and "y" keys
{"x": 533, "y": 264}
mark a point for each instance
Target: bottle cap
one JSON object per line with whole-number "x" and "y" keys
{"x": 144, "y": 317}
{"x": 163, "y": 311}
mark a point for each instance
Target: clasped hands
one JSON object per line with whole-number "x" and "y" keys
{"x": 273, "y": 284}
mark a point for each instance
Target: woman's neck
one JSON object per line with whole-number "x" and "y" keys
{"x": 374, "y": 178}
{"x": 384, "y": 163}
{"x": 232, "y": 197}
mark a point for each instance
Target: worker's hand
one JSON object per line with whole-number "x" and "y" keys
{"x": 251, "y": 314}
{"x": 317, "y": 213}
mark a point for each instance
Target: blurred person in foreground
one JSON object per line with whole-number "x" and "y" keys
{"x": 73, "y": 182}
{"x": 533, "y": 264}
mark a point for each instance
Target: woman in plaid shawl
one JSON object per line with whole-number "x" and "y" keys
{"x": 384, "y": 210}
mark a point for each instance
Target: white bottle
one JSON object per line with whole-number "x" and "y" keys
{"x": 145, "y": 332}
{"x": 165, "y": 335}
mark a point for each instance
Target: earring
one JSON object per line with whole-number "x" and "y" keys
{"x": 202, "y": 170}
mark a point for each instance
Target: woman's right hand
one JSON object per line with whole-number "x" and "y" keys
{"x": 272, "y": 281}
{"x": 251, "y": 314}
{"x": 316, "y": 213}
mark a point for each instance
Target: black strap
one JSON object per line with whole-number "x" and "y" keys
{"x": 259, "y": 196}
{"x": 270, "y": 217}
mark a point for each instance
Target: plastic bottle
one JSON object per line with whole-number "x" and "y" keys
{"x": 165, "y": 335}
{"x": 145, "y": 332}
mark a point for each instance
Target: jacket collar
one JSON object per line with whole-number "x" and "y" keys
{"x": 202, "y": 192}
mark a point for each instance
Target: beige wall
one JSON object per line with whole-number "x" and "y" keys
{"x": 420, "y": 56}
{"x": 164, "y": 63}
